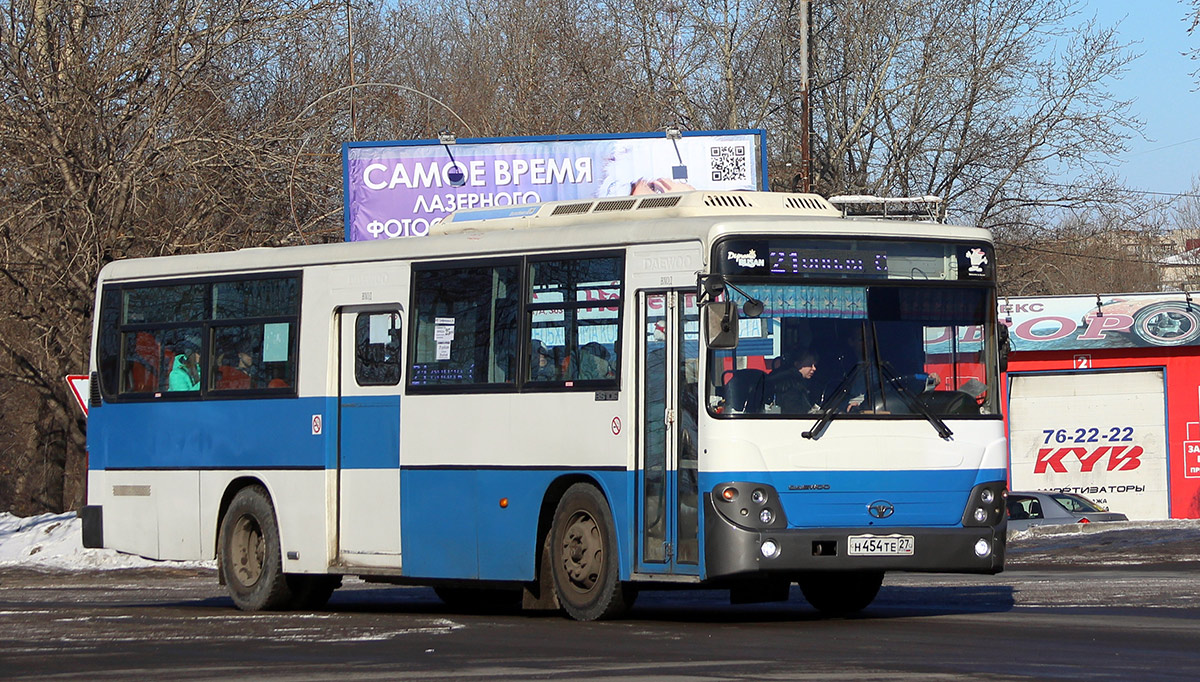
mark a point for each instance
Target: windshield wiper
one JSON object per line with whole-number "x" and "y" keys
{"x": 914, "y": 402}
{"x": 831, "y": 404}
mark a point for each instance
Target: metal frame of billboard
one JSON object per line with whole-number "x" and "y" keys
{"x": 439, "y": 197}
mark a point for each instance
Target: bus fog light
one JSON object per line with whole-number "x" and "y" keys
{"x": 982, "y": 548}
{"x": 769, "y": 549}
{"x": 766, "y": 516}
{"x": 980, "y": 514}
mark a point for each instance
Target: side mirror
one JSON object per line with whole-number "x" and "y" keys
{"x": 721, "y": 325}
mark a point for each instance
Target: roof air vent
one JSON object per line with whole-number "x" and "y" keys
{"x": 659, "y": 202}
{"x": 803, "y": 203}
{"x": 618, "y": 205}
{"x": 727, "y": 200}
{"x": 571, "y": 209}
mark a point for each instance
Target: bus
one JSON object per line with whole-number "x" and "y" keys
{"x": 556, "y": 406}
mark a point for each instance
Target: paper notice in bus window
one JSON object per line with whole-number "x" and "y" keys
{"x": 275, "y": 342}
{"x": 443, "y": 333}
{"x": 443, "y": 350}
{"x": 380, "y": 329}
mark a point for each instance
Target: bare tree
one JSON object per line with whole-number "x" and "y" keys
{"x": 126, "y": 129}
{"x": 130, "y": 129}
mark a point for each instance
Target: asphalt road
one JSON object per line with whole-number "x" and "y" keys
{"x": 1034, "y": 622}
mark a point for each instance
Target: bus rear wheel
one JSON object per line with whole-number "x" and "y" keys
{"x": 583, "y": 551}
{"x": 248, "y": 553}
{"x": 841, "y": 593}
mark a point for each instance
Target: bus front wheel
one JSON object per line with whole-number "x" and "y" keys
{"x": 841, "y": 593}
{"x": 248, "y": 555}
{"x": 583, "y": 551}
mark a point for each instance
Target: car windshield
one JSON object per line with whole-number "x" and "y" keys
{"x": 858, "y": 350}
{"x": 1076, "y": 503}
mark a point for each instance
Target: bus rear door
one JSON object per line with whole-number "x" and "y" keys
{"x": 368, "y": 472}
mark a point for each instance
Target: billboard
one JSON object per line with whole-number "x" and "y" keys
{"x": 1103, "y": 321}
{"x": 400, "y": 189}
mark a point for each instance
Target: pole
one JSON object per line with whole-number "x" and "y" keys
{"x": 350, "y": 58}
{"x": 805, "y": 101}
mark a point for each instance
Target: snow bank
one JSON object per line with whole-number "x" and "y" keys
{"x": 56, "y": 541}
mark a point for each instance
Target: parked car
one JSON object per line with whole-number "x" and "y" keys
{"x": 1026, "y": 509}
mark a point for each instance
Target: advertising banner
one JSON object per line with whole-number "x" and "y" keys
{"x": 400, "y": 189}
{"x": 1107, "y": 321}
{"x": 1100, "y": 434}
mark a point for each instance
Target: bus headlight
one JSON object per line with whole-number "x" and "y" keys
{"x": 985, "y": 505}
{"x": 748, "y": 510}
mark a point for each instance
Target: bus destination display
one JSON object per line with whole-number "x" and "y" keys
{"x": 829, "y": 262}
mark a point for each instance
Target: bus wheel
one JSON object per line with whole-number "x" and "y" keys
{"x": 249, "y": 557}
{"x": 841, "y": 593}
{"x": 311, "y": 592}
{"x": 583, "y": 551}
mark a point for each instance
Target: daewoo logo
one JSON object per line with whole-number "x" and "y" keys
{"x": 749, "y": 259}
{"x": 881, "y": 509}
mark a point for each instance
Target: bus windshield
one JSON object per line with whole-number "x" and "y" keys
{"x": 848, "y": 350}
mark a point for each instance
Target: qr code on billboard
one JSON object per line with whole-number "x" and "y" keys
{"x": 728, "y": 163}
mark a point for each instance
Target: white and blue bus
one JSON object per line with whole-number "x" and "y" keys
{"x": 558, "y": 405}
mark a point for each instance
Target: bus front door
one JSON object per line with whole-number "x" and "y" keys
{"x": 667, "y": 494}
{"x": 368, "y": 455}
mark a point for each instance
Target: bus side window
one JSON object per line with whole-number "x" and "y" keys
{"x": 464, "y": 325}
{"x": 573, "y": 310}
{"x": 377, "y": 349}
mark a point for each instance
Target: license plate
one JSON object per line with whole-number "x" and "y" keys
{"x": 881, "y": 545}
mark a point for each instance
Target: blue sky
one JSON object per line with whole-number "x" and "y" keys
{"x": 1165, "y": 93}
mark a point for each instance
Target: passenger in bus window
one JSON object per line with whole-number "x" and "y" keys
{"x": 185, "y": 370}
{"x": 593, "y": 362}
{"x": 543, "y": 364}
{"x": 237, "y": 370}
{"x": 791, "y": 384}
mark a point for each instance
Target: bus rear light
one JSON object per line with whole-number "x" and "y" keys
{"x": 1083, "y": 520}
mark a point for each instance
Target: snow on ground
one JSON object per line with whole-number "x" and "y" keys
{"x": 54, "y": 541}
{"x": 1119, "y": 543}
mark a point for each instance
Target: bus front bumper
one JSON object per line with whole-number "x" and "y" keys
{"x": 734, "y": 551}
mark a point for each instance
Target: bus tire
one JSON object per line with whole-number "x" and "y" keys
{"x": 583, "y": 552}
{"x": 841, "y": 593}
{"x": 248, "y": 554}
{"x": 311, "y": 592}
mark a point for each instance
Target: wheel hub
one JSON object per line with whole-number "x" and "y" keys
{"x": 248, "y": 551}
{"x": 583, "y": 554}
